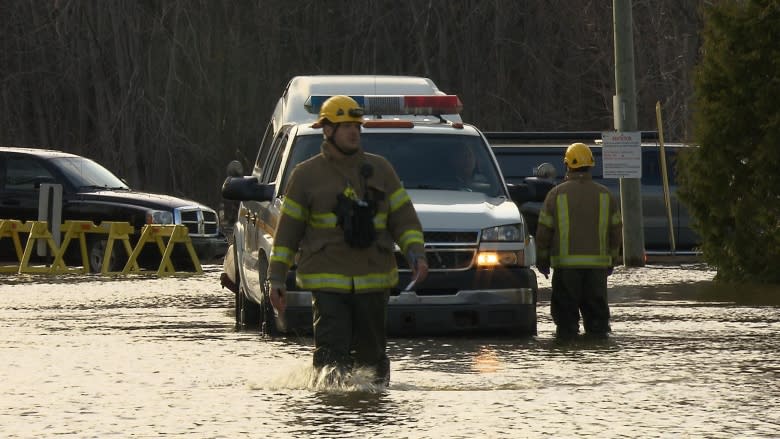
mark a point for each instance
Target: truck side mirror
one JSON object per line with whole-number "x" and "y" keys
{"x": 519, "y": 192}
{"x": 247, "y": 188}
{"x": 533, "y": 189}
{"x": 538, "y": 187}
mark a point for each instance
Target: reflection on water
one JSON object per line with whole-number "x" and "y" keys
{"x": 92, "y": 356}
{"x": 486, "y": 361}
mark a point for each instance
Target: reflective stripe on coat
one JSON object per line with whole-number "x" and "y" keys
{"x": 580, "y": 225}
{"x": 308, "y": 224}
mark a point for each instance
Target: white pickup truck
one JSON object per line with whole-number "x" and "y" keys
{"x": 478, "y": 247}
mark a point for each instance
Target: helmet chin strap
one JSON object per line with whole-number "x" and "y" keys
{"x": 333, "y": 141}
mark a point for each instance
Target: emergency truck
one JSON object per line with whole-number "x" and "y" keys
{"x": 477, "y": 245}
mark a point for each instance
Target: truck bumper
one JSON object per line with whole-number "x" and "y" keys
{"x": 210, "y": 248}
{"x": 510, "y": 311}
{"x": 448, "y": 303}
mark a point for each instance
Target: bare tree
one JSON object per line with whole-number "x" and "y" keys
{"x": 166, "y": 92}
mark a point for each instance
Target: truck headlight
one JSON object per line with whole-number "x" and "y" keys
{"x": 503, "y": 258}
{"x": 159, "y": 217}
{"x": 506, "y": 249}
{"x": 509, "y": 232}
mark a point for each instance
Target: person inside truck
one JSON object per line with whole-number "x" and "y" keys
{"x": 343, "y": 209}
{"x": 462, "y": 164}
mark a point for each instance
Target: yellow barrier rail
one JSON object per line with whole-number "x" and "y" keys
{"x": 77, "y": 230}
{"x": 175, "y": 234}
{"x": 117, "y": 231}
{"x": 39, "y": 230}
{"x": 11, "y": 229}
{"x": 166, "y": 237}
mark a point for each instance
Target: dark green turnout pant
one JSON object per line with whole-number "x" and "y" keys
{"x": 350, "y": 330}
{"x": 580, "y": 290}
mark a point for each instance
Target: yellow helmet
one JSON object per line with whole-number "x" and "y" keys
{"x": 578, "y": 155}
{"x": 339, "y": 109}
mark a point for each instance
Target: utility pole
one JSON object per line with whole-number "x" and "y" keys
{"x": 624, "y": 108}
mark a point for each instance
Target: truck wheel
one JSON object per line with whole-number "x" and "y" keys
{"x": 267, "y": 311}
{"x": 237, "y": 277}
{"x": 269, "y": 321}
{"x": 96, "y": 251}
{"x": 247, "y": 312}
{"x": 237, "y": 307}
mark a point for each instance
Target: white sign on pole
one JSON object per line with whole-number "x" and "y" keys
{"x": 50, "y": 210}
{"x": 621, "y": 154}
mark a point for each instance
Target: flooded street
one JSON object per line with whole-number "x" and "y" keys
{"x": 91, "y": 356}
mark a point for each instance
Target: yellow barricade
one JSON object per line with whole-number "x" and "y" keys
{"x": 118, "y": 231}
{"x": 176, "y": 234}
{"x": 164, "y": 236}
{"x": 38, "y": 230}
{"x": 77, "y": 230}
{"x": 12, "y": 229}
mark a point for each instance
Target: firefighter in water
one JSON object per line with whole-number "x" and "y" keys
{"x": 343, "y": 209}
{"x": 579, "y": 235}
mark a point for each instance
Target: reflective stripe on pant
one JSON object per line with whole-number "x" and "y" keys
{"x": 350, "y": 330}
{"x": 576, "y": 290}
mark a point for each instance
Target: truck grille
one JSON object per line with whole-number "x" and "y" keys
{"x": 446, "y": 250}
{"x": 451, "y": 237}
{"x": 199, "y": 222}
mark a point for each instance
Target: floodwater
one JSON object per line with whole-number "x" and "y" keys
{"x": 91, "y": 356}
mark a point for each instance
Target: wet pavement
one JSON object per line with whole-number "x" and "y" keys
{"x": 92, "y": 356}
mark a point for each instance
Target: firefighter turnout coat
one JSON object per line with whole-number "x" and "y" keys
{"x": 309, "y": 226}
{"x": 579, "y": 226}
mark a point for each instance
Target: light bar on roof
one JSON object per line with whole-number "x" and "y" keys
{"x": 377, "y": 105}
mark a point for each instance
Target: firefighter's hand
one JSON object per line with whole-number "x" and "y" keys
{"x": 544, "y": 270}
{"x": 420, "y": 270}
{"x": 278, "y": 298}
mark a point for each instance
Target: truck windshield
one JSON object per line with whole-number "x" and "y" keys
{"x": 84, "y": 173}
{"x": 430, "y": 161}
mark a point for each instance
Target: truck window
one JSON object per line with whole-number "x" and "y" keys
{"x": 272, "y": 163}
{"x": 430, "y": 161}
{"x": 264, "y": 152}
{"x": 303, "y": 148}
{"x": 651, "y": 166}
{"x": 25, "y": 174}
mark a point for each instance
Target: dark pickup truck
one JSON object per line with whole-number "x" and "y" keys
{"x": 90, "y": 192}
